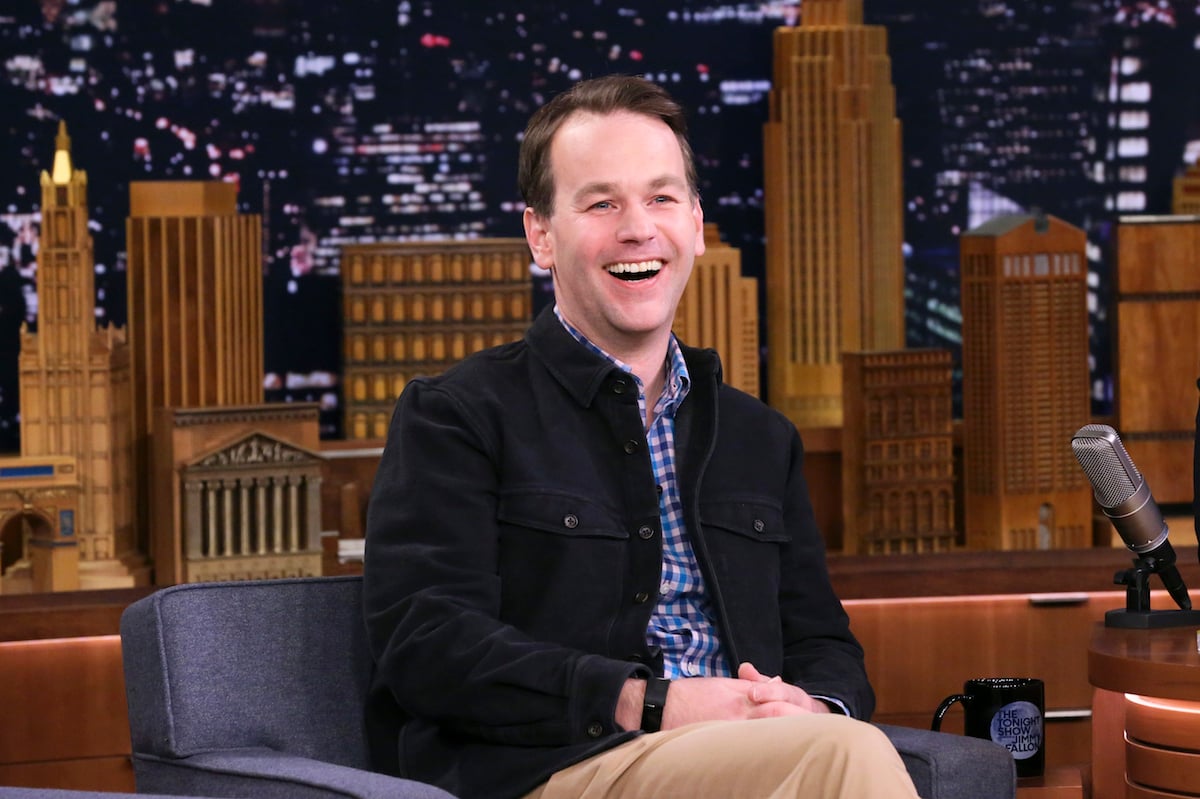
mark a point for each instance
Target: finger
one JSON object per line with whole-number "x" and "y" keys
{"x": 775, "y": 709}
{"x": 746, "y": 671}
{"x": 772, "y": 690}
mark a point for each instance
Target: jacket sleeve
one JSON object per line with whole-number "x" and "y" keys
{"x": 432, "y": 593}
{"x": 821, "y": 654}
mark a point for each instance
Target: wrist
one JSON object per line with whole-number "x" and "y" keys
{"x": 629, "y": 703}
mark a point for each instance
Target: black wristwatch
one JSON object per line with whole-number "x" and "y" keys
{"x": 652, "y": 706}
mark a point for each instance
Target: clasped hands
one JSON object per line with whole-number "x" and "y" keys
{"x": 750, "y": 696}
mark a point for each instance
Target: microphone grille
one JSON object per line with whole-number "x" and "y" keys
{"x": 1107, "y": 465}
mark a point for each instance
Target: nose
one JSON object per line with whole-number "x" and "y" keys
{"x": 636, "y": 224}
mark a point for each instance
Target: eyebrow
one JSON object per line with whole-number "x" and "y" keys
{"x": 604, "y": 187}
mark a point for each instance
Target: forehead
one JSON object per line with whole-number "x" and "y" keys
{"x": 588, "y": 143}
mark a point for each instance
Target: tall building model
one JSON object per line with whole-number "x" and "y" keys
{"x": 1158, "y": 347}
{"x": 1025, "y": 383}
{"x": 898, "y": 452}
{"x": 719, "y": 309}
{"x": 834, "y": 207}
{"x": 195, "y": 305}
{"x": 417, "y": 308}
{"x": 67, "y": 502}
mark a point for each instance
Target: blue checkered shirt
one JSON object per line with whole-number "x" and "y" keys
{"x": 683, "y": 623}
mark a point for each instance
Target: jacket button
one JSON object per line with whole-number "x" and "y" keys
{"x": 646, "y": 532}
{"x": 619, "y": 386}
{"x": 595, "y": 729}
{"x": 570, "y": 521}
{"x": 636, "y": 657}
{"x": 640, "y": 597}
{"x": 631, "y": 447}
{"x": 759, "y": 525}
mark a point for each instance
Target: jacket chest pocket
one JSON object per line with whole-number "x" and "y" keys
{"x": 563, "y": 561}
{"x": 749, "y": 522}
{"x": 559, "y": 514}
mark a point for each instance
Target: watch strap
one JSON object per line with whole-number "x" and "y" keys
{"x": 652, "y": 706}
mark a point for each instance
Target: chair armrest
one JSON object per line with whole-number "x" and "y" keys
{"x": 269, "y": 774}
{"x": 946, "y": 766}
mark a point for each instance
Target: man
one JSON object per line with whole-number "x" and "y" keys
{"x": 585, "y": 534}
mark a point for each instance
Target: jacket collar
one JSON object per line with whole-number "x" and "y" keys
{"x": 583, "y": 373}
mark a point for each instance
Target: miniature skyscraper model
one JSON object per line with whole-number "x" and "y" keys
{"x": 75, "y": 468}
{"x": 1025, "y": 384}
{"x": 834, "y": 208}
{"x": 195, "y": 304}
{"x": 719, "y": 309}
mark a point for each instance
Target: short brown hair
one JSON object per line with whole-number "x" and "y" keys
{"x": 606, "y": 95}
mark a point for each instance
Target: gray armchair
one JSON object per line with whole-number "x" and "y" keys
{"x": 257, "y": 689}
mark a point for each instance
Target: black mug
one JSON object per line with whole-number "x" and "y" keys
{"x": 1008, "y": 710}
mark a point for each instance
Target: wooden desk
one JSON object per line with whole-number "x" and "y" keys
{"x": 1145, "y": 712}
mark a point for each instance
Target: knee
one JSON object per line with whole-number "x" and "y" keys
{"x": 849, "y": 741}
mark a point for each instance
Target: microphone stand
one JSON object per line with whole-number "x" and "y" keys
{"x": 1137, "y": 613}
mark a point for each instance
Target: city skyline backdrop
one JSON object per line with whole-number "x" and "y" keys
{"x": 378, "y": 121}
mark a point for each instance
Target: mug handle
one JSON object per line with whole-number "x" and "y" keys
{"x": 943, "y": 707}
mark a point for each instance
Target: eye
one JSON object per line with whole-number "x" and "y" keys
{"x": 603, "y": 205}
{"x": 664, "y": 198}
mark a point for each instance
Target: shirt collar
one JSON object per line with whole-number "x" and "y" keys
{"x": 678, "y": 381}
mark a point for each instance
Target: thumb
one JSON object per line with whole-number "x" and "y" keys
{"x": 747, "y": 671}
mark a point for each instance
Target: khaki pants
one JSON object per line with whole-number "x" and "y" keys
{"x": 808, "y": 757}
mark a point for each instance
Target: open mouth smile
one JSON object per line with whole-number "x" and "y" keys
{"x": 635, "y": 270}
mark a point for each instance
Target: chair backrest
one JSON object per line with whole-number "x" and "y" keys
{"x": 281, "y": 664}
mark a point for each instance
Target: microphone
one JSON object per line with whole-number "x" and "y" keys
{"x": 1125, "y": 498}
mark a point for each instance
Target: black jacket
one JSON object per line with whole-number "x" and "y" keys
{"x": 513, "y": 538}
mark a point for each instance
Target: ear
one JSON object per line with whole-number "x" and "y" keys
{"x": 698, "y": 217}
{"x": 537, "y": 235}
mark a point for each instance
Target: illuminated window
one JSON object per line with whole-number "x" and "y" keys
{"x": 1138, "y": 92}
{"x": 1133, "y": 174}
{"x": 1133, "y": 148}
{"x": 1131, "y": 201}
{"x": 1134, "y": 120}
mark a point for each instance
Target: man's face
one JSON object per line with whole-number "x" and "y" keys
{"x": 624, "y": 232}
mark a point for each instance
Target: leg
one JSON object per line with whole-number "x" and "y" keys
{"x": 784, "y": 758}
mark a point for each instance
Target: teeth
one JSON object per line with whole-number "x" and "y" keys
{"x": 634, "y": 268}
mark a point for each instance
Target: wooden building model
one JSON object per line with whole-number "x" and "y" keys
{"x": 1025, "y": 383}
{"x": 1185, "y": 192}
{"x": 237, "y": 493}
{"x": 66, "y": 504}
{"x": 719, "y": 309}
{"x": 834, "y": 207}
{"x": 1158, "y": 348}
{"x": 898, "y": 452}
{"x": 417, "y": 308}
{"x": 195, "y": 305}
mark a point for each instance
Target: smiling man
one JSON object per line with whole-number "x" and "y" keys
{"x": 592, "y": 569}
